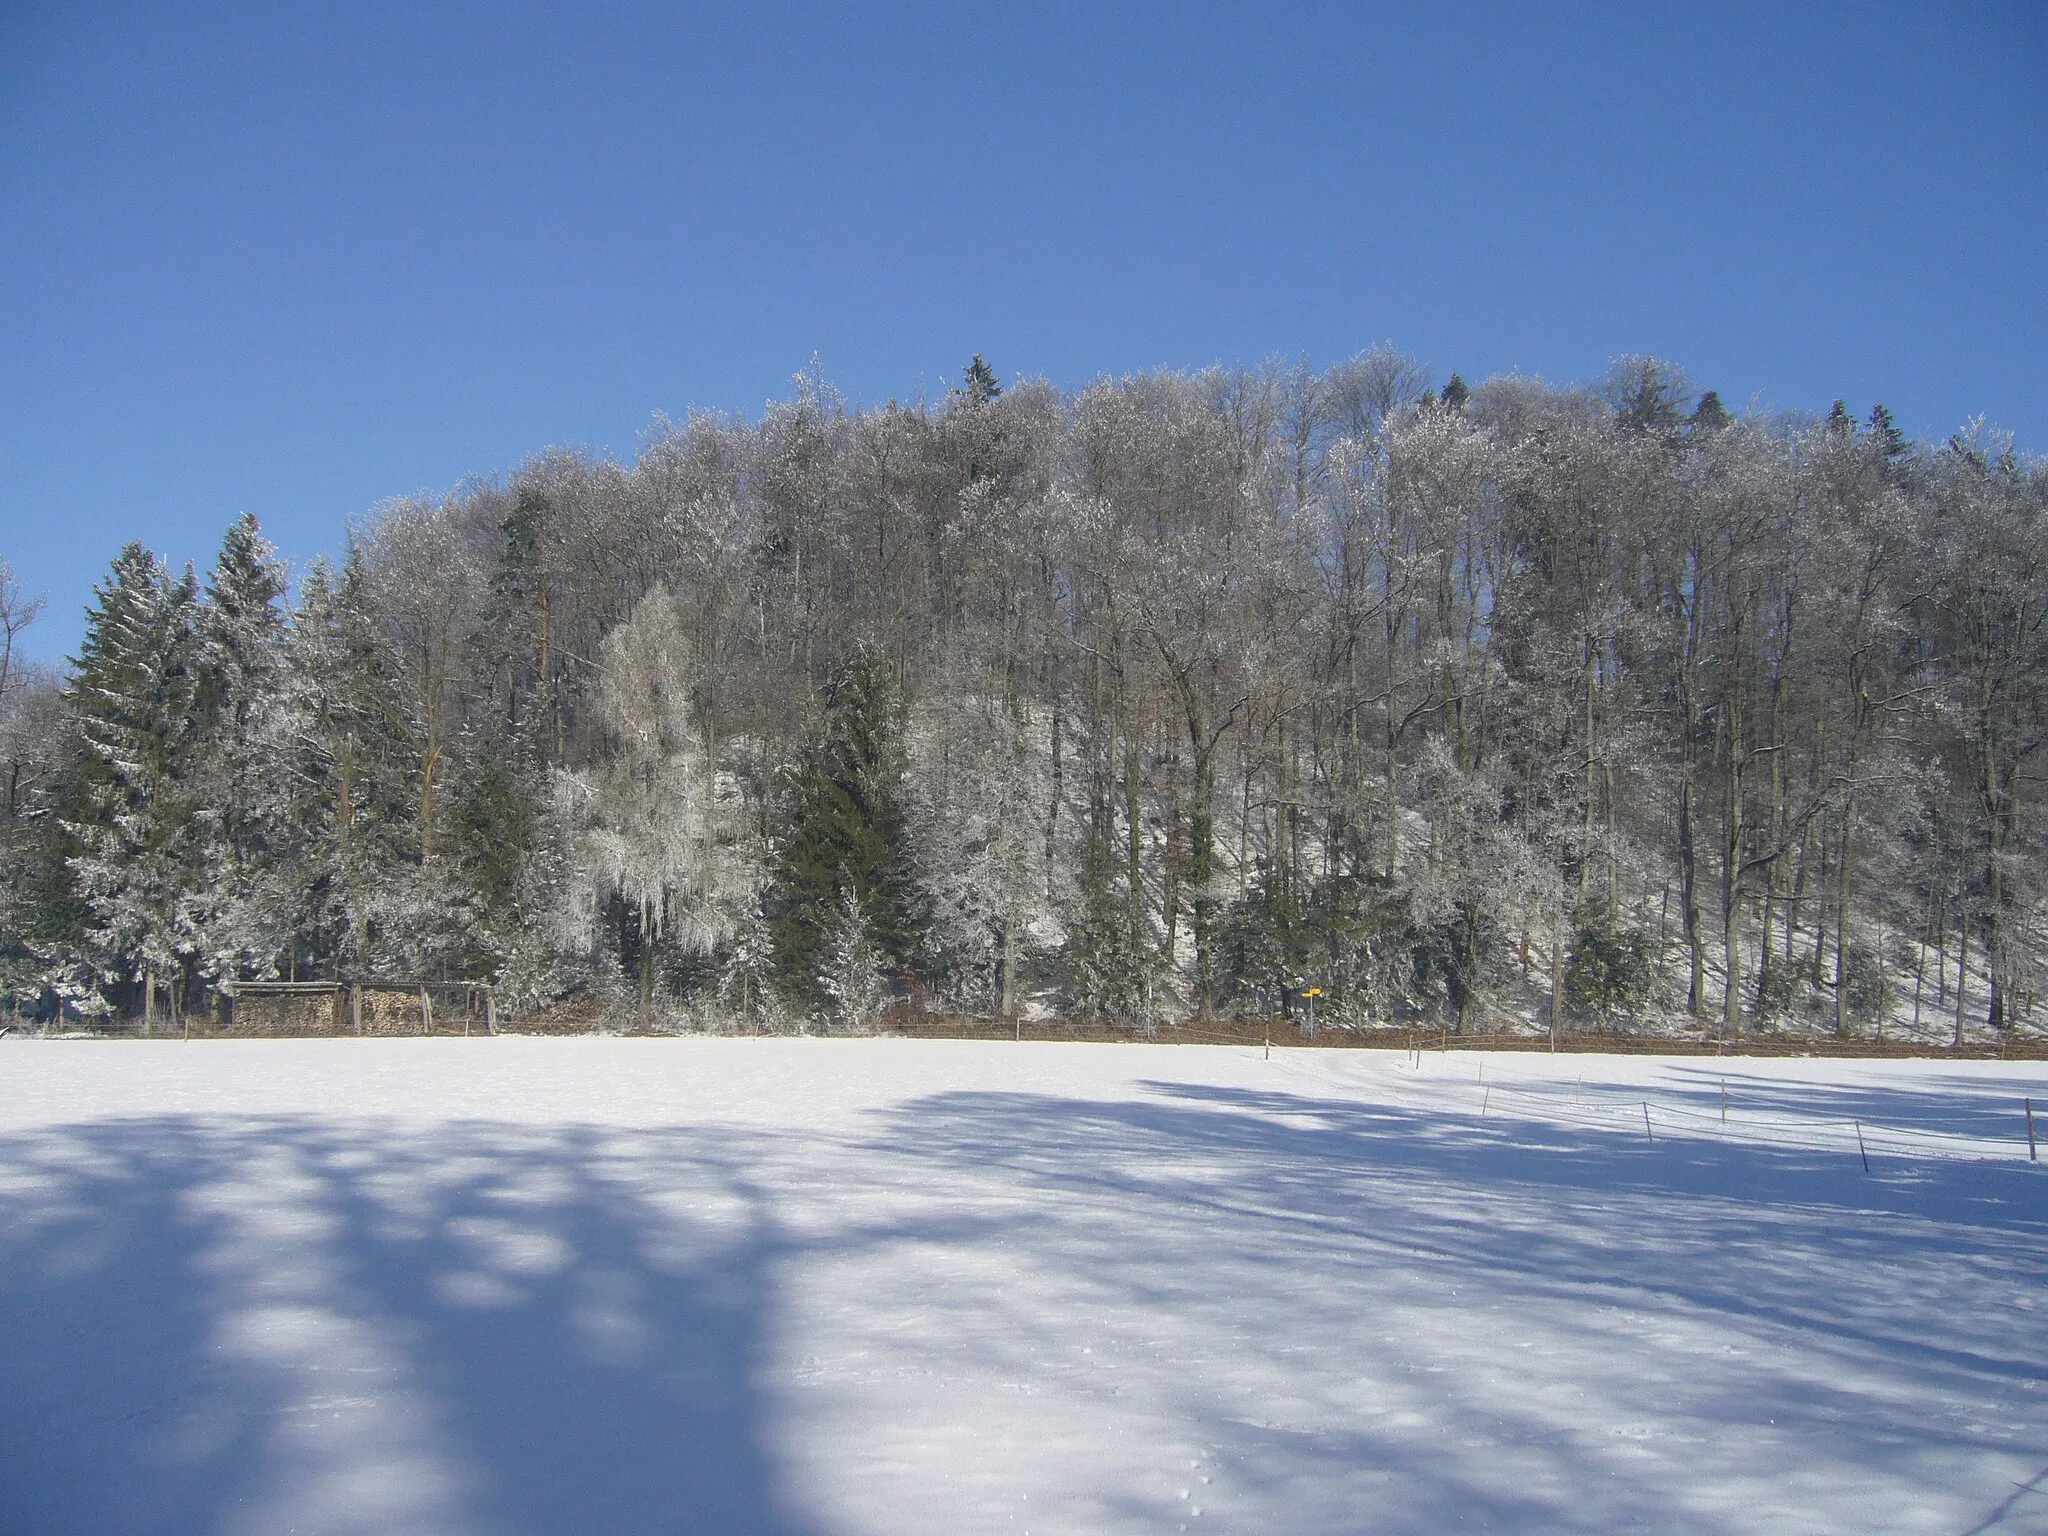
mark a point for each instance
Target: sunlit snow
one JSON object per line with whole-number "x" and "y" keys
{"x": 849, "y": 1286}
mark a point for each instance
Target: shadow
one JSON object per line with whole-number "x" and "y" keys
{"x": 1175, "y": 1301}
{"x": 272, "y": 1325}
{"x": 1805, "y": 1294}
{"x": 1986, "y": 1105}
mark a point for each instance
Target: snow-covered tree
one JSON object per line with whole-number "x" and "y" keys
{"x": 978, "y": 829}
{"x": 643, "y": 823}
{"x": 244, "y": 839}
{"x": 133, "y": 692}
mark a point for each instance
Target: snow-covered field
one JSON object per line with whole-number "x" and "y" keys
{"x": 801, "y": 1286}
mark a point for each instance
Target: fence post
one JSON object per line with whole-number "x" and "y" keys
{"x": 355, "y": 1005}
{"x": 491, "y": 1007}
{"x": 1724, "y": 1101}
{"x": 426, "y": 1013}
{"x": 2033, "y": 1156}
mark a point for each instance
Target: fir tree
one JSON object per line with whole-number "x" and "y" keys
{"x": 239, "y": 658}
{"x": 852, "y": 978}
{"x": 1610, "y": 969}
{"x": 847, "y": 833}
{"x": 981, "y": 385}
{"x": 133, "y": 692}
{"x": 351, "y": 764}
{"x": 516, "y": 635}
{"x": 505, "y": 841}
{"x": 1456, "y": 393}
{"x": 1112, "y": 961}
{"x": 1648, "y": 394}
{"x": 1709, "y": 415}
{"x": 1885, "y": 433}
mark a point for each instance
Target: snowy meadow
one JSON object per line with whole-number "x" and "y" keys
{"x": 827, "y": 1287}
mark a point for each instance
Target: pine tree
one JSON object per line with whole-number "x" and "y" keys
{"x": 1113, "y": 963}
{"x": 351, "y": 765}
{"x": 239, "y": 659}
{"x": 507, "y": 862}
{"x": 1709, "y": 415}
{"x": 1891, "y": 442}
{"x": 852, "y": 977}
{"x": 516, "y": 634}
{"x": 749, "y": 972}
{"x": 1456, "y": 393}
{"x": 847, "y": 833}
{"x": 1838, "y": 421}
{"x": 133, "y": 692}
{"x": 981, "y": 384}
{"x": 1648, "y": 394}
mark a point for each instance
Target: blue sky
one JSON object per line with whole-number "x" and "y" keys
{"x": 296, "y": 260}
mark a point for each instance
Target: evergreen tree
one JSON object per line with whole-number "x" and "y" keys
{"x": 1885, "y": 433}
{"x": 43, "y": 919}
{"x": 351, "y": 766}
{"x": 516, "y": 636}
{"x": 133, "y": 692}
{"x": 1647, "y": 393}
{"x": 852, "y": 977}
{"x": 1456, "y": 393}
{"x": 1838, "y": 421}
{"x": 239, "y": 659}
{"x": 1114, "y": 965}
{"x": 1709, "y": 415}
{"x": 981, "y": 385}
{"x": 847, "y": 833}
{"x": 1610, "y": 969}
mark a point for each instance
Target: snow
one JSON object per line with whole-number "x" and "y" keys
{"x": 799, "y": 1287}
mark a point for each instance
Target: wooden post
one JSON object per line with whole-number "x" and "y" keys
{"x": 426, "y": 1012}
{"x": 355, "y": 1005}
{"x": 491, "y": 1008}
{"x": 2033, "y": 1155}
{"x": 1724, "y": 1101}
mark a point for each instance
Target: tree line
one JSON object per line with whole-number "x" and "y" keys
{"x": 1173, "y": 696}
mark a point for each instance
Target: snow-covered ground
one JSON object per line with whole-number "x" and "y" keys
{"x": 800, "y": 1286}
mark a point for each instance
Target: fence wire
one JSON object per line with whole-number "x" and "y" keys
{"x": 1639, "y": 1114}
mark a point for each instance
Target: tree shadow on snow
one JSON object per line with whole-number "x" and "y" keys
{"x": 1988, "y": 1105}
{"x": 1238, "y": 1205}
{"x": 261, "y": 1326}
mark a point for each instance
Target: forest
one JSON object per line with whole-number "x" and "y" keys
{"x": 1182, "y": 695}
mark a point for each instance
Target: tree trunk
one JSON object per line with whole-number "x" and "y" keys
{"x": 1689, "y": 894}
{"x": 1843, "y": 863}
{"x": 1201, "y": 855}
{"x": 1962, "y": 969}
{"x": 1556, "y": 972}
